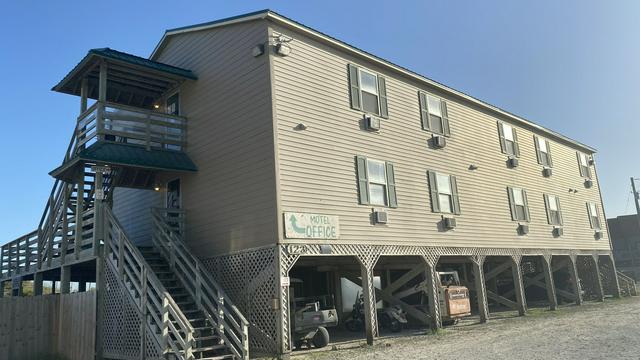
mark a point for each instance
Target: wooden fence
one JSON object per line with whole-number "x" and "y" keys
{"x": 60, "y": 327}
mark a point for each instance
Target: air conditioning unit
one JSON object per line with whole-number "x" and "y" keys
{"x": 598, "y": 234}
{"x": 512, "y": 162}
{"x": 380, "y": 217}
{"x": 558, "y": 231}
{"x": 372, "y": 123}
{"x": 547, "y": 172}
{"x": 439, "y": 141}
{"x": 523, "y": 229}
{"x": 591, "y": 162}
{"x": 588, "y": 183}
{"x": 450, "y": 223}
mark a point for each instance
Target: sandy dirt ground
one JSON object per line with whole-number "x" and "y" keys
{"x": 609, "y": 330}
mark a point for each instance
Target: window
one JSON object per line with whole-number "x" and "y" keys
{"x": 376, "y": 182}
{"x": 173, "y": 104}
{"x": 554, "y": 214}
{"x": 583, "y": 164}
{"x": 444, "y": 193}
{"x": 508, "y": 139}
{"x": 543, "y": 152}
{"x": 594, "y": 215}
{"x": 368, "y": 91}
{"x": 433, "y": 112}
{"x": 519, "y": 205}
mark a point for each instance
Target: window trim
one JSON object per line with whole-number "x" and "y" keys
{"x": 364, "y": 192}
{"x": 503, "y": 139}
{"x": 425, "y": 113}
{"x": 381, "y": 90}
{"x": 547, "y": 204}
{"x": 434, "y": 191}
{"x": 536, "y": 141}
{"x": 512, "y": 204}
{"x": 596, "y": 215}
{"x": 585, "y": 170}
{"x": 385, "y": 185}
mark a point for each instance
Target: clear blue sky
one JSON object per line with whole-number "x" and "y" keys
{"x": 573, "y": 66}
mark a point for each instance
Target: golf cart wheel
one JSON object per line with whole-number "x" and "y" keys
{"x": 353, "y": 325}
{"x": 321, "y": 338}
{"x": 450, "y": 322}
{"x": 395, "y": 326}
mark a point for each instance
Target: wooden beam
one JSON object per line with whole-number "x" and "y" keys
{"x": 102, "y": 83}
{"x": 481, "y": 290}
{"x": 37, "y": 283}
{"x": 502, "y": 300}
{"x": 518, "y": 286}
{"x": 65, "y": 279}
{"x": 497, "y": 270}
{"x": 550, "y": 284}
{"x": 84, "y": 93}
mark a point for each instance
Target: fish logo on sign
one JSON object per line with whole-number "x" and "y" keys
{"x": 294, "y": 225}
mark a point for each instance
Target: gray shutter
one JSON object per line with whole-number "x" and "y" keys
{"x": 512, "y": 204}
{"x": 454, "y": 194}
{"x": 599, "y": 218}
{"x": 588, "y": 168}
{"x": 527, "y": 216}
{"x": 363, "y": 180}
{"x": 538, "y": 152}
{"x": 579, "y": 164}
{"x": 391, "y": 186}
{"x": 559, "y": 208}
{"x": 516, "y": 146}
{"x": 382, "y": 91}
{"x": 549, "y": 154}
{"x": 503, "y": 145}
{"x": 424, "y": 111}
{"x": 445, "y": 118}
{"x": 433, "y": 189}
{"x": 354, "y": 88}
{"x": 548, "y": 208}
{"x": 590, "y": 215}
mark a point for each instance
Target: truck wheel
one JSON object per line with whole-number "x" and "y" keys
{"x": 321, "y": 338}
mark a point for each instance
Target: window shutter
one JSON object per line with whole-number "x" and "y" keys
{"x": 424, "y": 111}
{"x": 548, "y": 208}
{"x": 433, "y": 188}
{"x": 580, "y": 165}
{"x": 527, "y": 216}
{"x": 363, "y": 180}
{"x": 503, "y": 145}
{"x": 445, "y": 118}
{"x": 549, "y": 154}
{"x": 354, "y": 87}
{"x": 454, "y": 194}
{"x": 559, "y": 208}
{"x": 588, "y": 169}
{"x": 516, "y": 146}
{"x": 382, "y": 91}
{"x": 391, "y": 186}
{"x": 512, "y": 204}
{"x": 598, "y": 216}
{"x": 590, "y": 215}
{"x": 538, "y": 152}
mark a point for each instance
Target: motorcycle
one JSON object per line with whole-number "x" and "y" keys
{"x": 392, "y": 318}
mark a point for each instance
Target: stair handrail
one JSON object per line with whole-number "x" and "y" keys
{"x": 233, "y": 327}
{"x": 127, "y": 262}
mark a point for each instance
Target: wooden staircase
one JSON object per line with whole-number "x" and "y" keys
{"x": 206, "y": 343}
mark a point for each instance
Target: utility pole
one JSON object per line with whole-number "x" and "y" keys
{"x": 636, "y": 198}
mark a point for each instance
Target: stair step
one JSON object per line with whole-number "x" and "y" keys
{"x": 205, "y": 338}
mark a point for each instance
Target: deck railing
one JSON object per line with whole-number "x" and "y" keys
{"x": 107, "y": 121}
{"x": 232, "y": 327}
{"x": 167, "y": 323}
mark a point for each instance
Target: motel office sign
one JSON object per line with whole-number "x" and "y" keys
{"x": 311, "y": 226}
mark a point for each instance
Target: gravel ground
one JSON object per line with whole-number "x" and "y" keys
{"x": 592, "y": 331}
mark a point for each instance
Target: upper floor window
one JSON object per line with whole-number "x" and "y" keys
{"x": 433, "y": 112}
{"x": 173, "y": 104}
{"x": 444, "y": 193}
{"x": 543, "y": 151}
{"x": 583, "y": 164}
{"x": 376, "y": 182}
{"x": 519, "y": 204}
{"x": 368, "y": 91}
{"x": 508, "y": 139}
{"x": 554, "y": 214}
{"x": 594, "y": 215}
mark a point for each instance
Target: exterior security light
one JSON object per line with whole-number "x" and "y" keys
{"x": 156, "y": 106}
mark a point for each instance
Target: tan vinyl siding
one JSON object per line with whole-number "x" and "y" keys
{"x": 230, "y": 201}
{"x": 132, "y": 207}
{"x": 317, "y": 165}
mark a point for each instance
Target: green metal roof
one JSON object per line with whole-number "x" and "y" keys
{"x": 137, "y": 60}
{"x": 129, "y": 156}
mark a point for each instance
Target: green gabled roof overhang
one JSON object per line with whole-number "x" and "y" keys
{"x": 126, "y": 155}
{"x": 126, "y": 73}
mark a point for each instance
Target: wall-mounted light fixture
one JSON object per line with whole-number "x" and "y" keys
{"x": 257, "y": 50}
{"x": 473, "y": 167}
{"x": 301, "y": 126}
